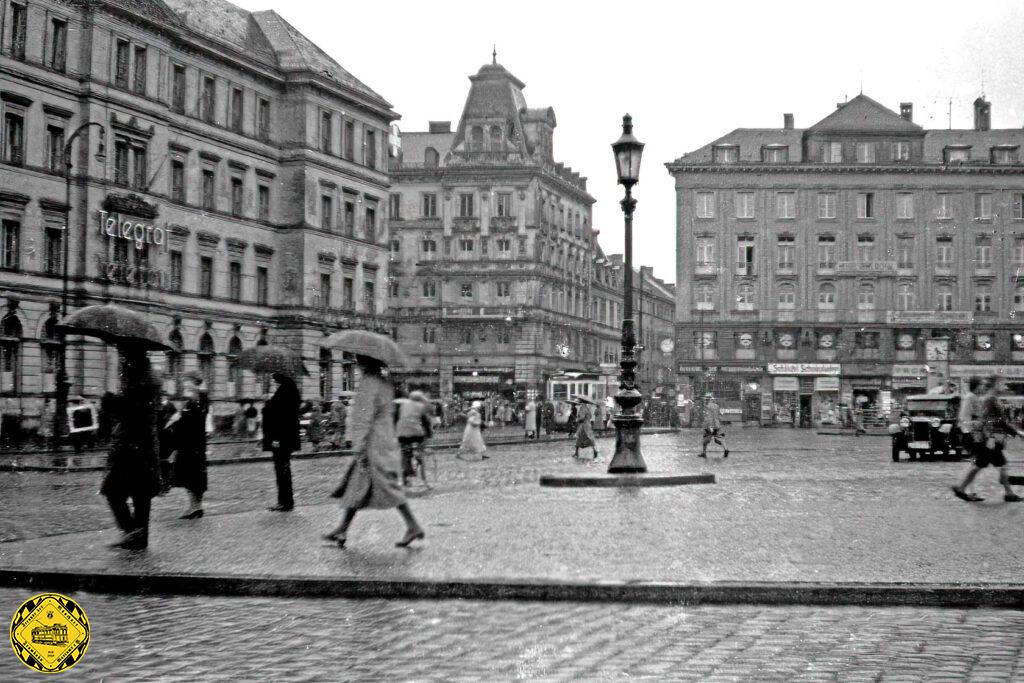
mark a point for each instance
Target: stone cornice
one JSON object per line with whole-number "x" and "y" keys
{"x": 675, "y": 167}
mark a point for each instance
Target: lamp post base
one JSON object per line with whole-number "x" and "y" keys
{"x": 627, "y": 458}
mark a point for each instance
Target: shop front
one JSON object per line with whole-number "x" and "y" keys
{"x": 420, "y": 379}
{"x": 908, "y": 380}
{"x": 477, "y": 383}
{"x": 1012, "y": 376}
{"x": 736, "y": 388}
{"x": 867, "y": 389}
{"x": 804, "y": 394}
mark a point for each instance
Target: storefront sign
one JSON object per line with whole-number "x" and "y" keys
{"x": 826, "y": 384}
{"x": 1004, "y": 371}
{"x": 909, "y": 382}
{"x": 867, "y": 369}
{"x": 866, "y": 268}
{"x": 692, "y": 369}
{"x": 785, "y": 384}
{"x": 929, "y": 317}
{"x": 803, "y": 369}
{"x": 741, "y": 369}
{"x": 128, "y": 274}
{"x": 731, "y": 411}
{"x": 866, "y": 383}
{"x": 112, "y": 225}
{"x": 910, "y": 371}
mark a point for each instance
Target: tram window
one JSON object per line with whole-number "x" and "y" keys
{"x": 558, "y": 391}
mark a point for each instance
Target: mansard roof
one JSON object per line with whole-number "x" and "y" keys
{"x": 749, "y": 141}
{"x": 223, "y": 22}
{"x": 494, "y": 94}
{"x": 864, "y": 115}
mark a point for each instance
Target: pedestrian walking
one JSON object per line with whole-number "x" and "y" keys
{"x": 167, "y": 415}
{"x": 371, "y": 478}
{"x": 990, "y": 429}
{"x": 133, "y": 469}
{"x": 338, "y": 415}
{"x": 584, "y": 429}
{"x": 251, "y": 419}
{"x": 712, "y": 427}
{"x": 315, "y": 429}
{"x": 472, "y": 436}
{"x": 413, "y": 428}
{"x": 530, "y": 419}
{"x": 190, "y": 443}
{"x": 281, "y": 436}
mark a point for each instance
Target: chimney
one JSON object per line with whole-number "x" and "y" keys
{"x": 982, "y": 114}
{"x": 787, "y": 121}
{"x": 440, "y": 126}
{"x": 907, "y": 111}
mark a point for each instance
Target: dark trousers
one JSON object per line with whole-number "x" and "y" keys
{"x": 125, "y": 518}
{"x": 283, "y": 472}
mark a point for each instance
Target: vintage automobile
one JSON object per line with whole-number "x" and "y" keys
{"x": 929, "y": 428}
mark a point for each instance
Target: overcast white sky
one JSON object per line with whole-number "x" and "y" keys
{"x": 687, "y": 72}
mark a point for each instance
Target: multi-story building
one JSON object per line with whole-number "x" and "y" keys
{"x": 242, "y": 197}
{"x": 853, "y": 262}
{"x": 494, "y": 273}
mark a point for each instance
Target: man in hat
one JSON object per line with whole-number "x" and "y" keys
{"x": 990, "y": 428}
{"x": 712, "y": 427}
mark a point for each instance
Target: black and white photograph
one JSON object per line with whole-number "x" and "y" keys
{"x": 543, "y": 341}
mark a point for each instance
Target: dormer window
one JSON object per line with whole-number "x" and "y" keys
{"x": 476, "y": 139}
{"x": 726, "y": 154}
{"x": 901, "y": 151}
{"x": 1004, "y": 154}
{"x": 832, "y": 152}
{"x": 865, "y": 152}
{"x": 775, "y": 154}
{"x": 956, "y": 154}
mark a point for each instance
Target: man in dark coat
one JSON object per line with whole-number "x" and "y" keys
{"x": 190, "y": 436}
{"x": 165, "y": 414}
{"x": 281, "y": 436}
{"x": 133, "y": 469}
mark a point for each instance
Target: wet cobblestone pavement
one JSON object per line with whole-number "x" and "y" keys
{"x": 197, "y": 640}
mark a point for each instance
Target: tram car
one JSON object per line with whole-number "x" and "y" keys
{"x": 570, "y": 385}
{"x": 56, "y": 634}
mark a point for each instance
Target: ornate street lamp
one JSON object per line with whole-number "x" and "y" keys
{"x": 627, "y": 458}
{"x": 60, "y": 416}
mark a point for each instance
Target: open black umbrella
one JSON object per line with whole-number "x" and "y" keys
{"x": 115, "y": 325}
{"x": 272, "y": 358}
{"x": 365, "y": 343}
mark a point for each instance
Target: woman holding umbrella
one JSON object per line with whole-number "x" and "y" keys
{"x": 584, "y": 427}
{"x": 190, "y": 437}
{"x": 371, "y": 480}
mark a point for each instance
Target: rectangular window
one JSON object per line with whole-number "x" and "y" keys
{"x": 121, "y": 163}
{"x": 209, "y": 101}
{"x": 832, "y": 153}
{"x": 370, "y": 226}
{"x": 178, "y": 181}
{"x": 901, "y": 151}
{"x": 865, "y": 152}
{"x": 1004, "y": 155}
{"x": 983, "y": 254}
{"x": 705, "y": 205}
{"x": 866, "y": 248}
{"x": 957, "y": 154}
{"x": 55, "y": 148}
{"x": 503, "y": 245}
{"x": 826, "y": 252}
{"x": 371, "y": 148}
{"x": 350, "y": 134}
{"x": 465, "y": 205}
{"x": 206, "y": 276}
{"x": 19, "y": 30}
{"x": 121, "y": 64}
{"x": 983, "y": 206}
{"x": 262, "y": 285}
{"x": 140, "y": 179}
{"x": 943, "y": 205}
{"x": 350, "y": 218}
{"x": 348, "y": 287}
{"x": 983, "y": 299}
{"x": 1017, "y": 206}
{"x": 237, "y": 109}
{"x": 503, "y": 290}
{"x": 705, "y": 252}
{"x": 177, "y": 270}
{"x": 54, "y": 251}
{"x": 865, "y": 205}
{"x": 263, "y": 191}
{"x": 904, "y": 205}
{"x": 504, "y": 204}
{"x": 263, "y": 118}
{"x": 326, "y": 212}
{"x": 944, "y": 298}
{"x": 466, "y": 246}
{"x": 775, "y": 155}
{"x": 466, "y": 290}
{"x": 178, "y": 89}
{"x": 745, "y": 256}
{"x": 429, "y": 249}
{"x": 429, "y": 289}
{"x": 429, "y": 335}
{"x": 726, "y": 154}
{"x": 905, "y": 252}
{"x": 944, "y": 252}
{"x": 744, "y": 205}
{"x": 370, "y": 297}
{"x": 58, "y": 44}
{"x": 429, "y": 205}
{"x": 209, "y": 194}
{"x": 325, "y": 132}
{"x": 236, "y": 196}
{"x": 395, "y": 206}
{"x": 140, "y": 70}
{"x": 14, "y": 139}
{"x": 785, "y": 205}
{"x": 787, "y": 252}
{"x": 235, "y": 281}
{"x": 1017, "y": 255}
{"x": 325, "y": 290}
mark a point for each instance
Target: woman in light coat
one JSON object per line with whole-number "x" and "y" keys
{"x": 472, "y": 437}
{"x": 584, "y": 430}
{"x": 371, "y": 479}
{"x": 530, "y": 418}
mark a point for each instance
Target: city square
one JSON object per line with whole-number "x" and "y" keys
{"x": 667, "y": 369}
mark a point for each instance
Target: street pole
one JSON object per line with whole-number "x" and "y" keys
{"x": 63, "y": 385}
{"x": 703, "y": 370}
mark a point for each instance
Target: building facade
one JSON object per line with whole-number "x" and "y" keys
{"x": 242, "y": 198}
{"x": 495, "y": 281}
{"x": 853, "y": 262}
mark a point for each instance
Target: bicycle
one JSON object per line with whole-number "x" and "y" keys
{"x": 424, "y": 464}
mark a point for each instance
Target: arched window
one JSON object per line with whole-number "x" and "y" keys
{"x": 205, "y": 355}
{"x": 496, "y": 139}
{"x": 827, "y": 296}
{"x": 905, "y": 297}
{"x": 50, "y": 345}
{"x": 326, "y": 382}
{"x": 476, "y": 139}
{"x": 430, "y": 158}
{"x": 174, "y": 363}
{"x": 10, "y": 354}
{"x": 866, "y": 296}
{"x": 234, "y": 387}
{"x": 787, "y": 296}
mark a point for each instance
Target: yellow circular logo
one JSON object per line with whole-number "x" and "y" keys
{"x": 50, "y": 633}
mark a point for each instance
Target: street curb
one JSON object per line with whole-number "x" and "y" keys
{"x": 994, "y": 596}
